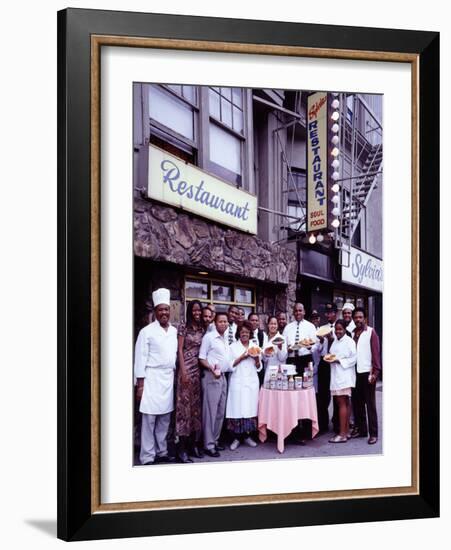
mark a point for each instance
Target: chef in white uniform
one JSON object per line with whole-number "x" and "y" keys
{"x": 155, "y": 356}
{"x": 346, "y": 312}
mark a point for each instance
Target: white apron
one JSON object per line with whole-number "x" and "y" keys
{"x": 242, "y": 398}
{"x": 158, "y": 394}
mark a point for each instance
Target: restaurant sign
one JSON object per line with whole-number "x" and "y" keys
{"x": 317, "y": 156}
{"x": 185, "y": 186}
{"x": 364, "y": 270}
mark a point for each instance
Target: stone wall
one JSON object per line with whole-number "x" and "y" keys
{"x": 164, "y": 234}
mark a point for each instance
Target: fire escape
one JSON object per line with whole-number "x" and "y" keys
{"x": 360, "y": 135}
{"x": 360, "y": 167}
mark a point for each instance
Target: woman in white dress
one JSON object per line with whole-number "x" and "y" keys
{"x": 273, "y": 354}
{"x": 342, "y": 376}
{"x": 242, "y": 397}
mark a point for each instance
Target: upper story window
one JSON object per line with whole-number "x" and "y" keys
{"x": 226, "y": 129}
{"x": 172, "y": 113}
{"x": 205, "y": 126}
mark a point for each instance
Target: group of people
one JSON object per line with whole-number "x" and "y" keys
{"x": 211, "y": 367}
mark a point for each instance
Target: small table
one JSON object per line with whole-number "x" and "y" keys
{"x": 280, "y": 410}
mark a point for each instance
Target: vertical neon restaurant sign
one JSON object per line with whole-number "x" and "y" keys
{"x": 317, "y": 162}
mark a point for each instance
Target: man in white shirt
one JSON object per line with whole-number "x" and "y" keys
{"x": 297, "y": 330}
{"x": 214, "y": 357}
{"x": 282, "y": 322}
{"x": 259, "y": 338}
{"x": 207, "y": 319}
{"x": 368, "y": 369}
{"x": 232, "y": 316}
{"x": 155, "y": 356}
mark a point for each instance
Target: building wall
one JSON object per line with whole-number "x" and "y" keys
{"x": 165, "y": 235}
{"x": 374, "y": 223}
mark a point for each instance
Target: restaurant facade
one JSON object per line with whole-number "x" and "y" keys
{"x": 221, "y": 187}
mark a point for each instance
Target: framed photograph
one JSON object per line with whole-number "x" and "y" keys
{"x": 248, "y": 269}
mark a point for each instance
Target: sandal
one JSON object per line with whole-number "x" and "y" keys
{"x": 338, "y": 439}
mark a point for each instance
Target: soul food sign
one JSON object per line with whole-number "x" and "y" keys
{"x": 317, "y": 161}
{"x": 182, "y": 185}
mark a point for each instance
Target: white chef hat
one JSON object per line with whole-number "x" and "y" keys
{"x": 348, "y": 305}
{"x": 161, "y": 296}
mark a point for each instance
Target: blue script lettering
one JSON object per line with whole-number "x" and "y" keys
{"x": 198, "y": 193}
{"x": 366, "y": 270}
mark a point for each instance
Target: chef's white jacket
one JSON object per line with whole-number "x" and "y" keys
{"x": 155, "y": 356}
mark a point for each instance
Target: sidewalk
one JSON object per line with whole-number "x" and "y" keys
{"x": 318, "y": 447}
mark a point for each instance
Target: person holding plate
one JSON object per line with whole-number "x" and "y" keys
{"x": 242, "y": 398}
{"x": 297, "y": 334}
{"x": 275, "y": 352}
{"x": 342, "y": 358}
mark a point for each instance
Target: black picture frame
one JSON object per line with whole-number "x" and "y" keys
{"x": 76, "y": 518}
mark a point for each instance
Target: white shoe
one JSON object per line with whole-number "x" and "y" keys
{"x": 249, "y": 441}
{"x": 234, "y": 445}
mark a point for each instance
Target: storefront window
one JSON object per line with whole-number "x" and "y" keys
{"x": 196, "y": 290}
{"x": 355, "y": 299}
{"x": 244, "y": 295}
{"x": 360, "y": 302}
{"x": 339, "y": 300}
{"x": 221, "y": 294}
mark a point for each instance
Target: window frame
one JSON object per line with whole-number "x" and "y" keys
{"x": 199, "y": 149}
{"x": 213, "y": 280}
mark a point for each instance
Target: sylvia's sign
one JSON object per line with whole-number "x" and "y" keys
{"x": 185, "y": 186}
{"x": 364, "y": 270}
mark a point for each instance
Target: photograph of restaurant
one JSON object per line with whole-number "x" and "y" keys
{"x": 258, "y": 198}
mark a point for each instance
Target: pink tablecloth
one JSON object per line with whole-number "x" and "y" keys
{"x": 279, "y": 411}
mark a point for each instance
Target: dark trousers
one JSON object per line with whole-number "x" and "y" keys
{"x": 301, "y": 362}
{"x": 323, "y": 400}
{"x": 364, "y": 396}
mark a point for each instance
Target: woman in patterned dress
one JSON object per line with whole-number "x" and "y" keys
{"x": 188, "y": 421}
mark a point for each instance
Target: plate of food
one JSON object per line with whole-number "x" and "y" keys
{"x": 307, "y": 342}
{"x": 254, "y": 351}
{"x": 278, "y": 340}
{"x": 269, "y": 350}
{"x": 323, "y": 331}
{"x": 330, "y": 357}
